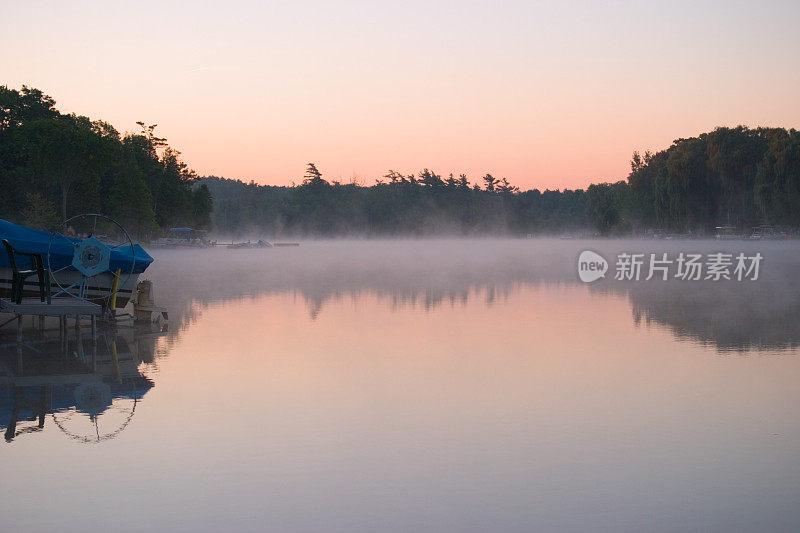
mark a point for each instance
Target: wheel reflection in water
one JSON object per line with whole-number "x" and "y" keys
{"x": 94, "y": 425}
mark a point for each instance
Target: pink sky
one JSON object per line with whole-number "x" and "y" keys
{"x": 546, "y": 94}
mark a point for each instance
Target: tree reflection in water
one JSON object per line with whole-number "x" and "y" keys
{"x": 730, "y": 315}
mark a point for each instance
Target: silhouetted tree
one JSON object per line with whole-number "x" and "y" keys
{"x": 489, "y": 182}
{"x": 313, "y": 176}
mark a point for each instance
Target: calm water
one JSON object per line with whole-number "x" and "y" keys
{"x": 417, "y": 386}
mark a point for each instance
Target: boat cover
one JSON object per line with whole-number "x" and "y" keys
{"x": 36, "y": 241}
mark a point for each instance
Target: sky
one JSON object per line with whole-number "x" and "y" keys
{"x": 545, "y": 94}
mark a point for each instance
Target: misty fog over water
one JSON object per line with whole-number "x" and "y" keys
{"x": 730, "y": 314}
{"x": 437, "y": 385}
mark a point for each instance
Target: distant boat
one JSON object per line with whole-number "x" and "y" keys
{"x": 767, "y": 232}
{"x": 248, "y": 244}
{"x": 183, "y": 238}
{"x": 61, "y": 256}
{"x": 726, "y": 233}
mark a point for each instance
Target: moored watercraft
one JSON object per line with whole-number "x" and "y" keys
{"x": 59, "y": 255}
{"x": 183, "y": 238}
{"x": 248, "y": 244}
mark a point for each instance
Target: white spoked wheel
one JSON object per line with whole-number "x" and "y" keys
{"x": 81, "y": 250}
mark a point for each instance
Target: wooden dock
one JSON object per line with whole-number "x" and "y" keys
{"x": 60, "y": 307}
{"x": 57, "y": 307}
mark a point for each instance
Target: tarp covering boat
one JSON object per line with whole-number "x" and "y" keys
{"x": 61, "y": 252}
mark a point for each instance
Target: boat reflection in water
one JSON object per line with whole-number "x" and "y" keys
{"x": 88, "y": 390}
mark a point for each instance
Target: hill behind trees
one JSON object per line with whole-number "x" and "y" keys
{"x": 418, "y": 205}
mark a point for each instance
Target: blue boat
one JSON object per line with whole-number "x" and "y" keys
{"x": 58, "y": 254}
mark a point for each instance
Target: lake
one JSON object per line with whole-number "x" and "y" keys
{"x": 442, "y": 385}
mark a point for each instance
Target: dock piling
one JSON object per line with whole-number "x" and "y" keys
{"x": 60, "y": 307}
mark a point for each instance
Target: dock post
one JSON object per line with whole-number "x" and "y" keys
{"x": 62, "y": 331}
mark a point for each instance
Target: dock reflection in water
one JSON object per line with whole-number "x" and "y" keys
{"x": 88, "y": 390}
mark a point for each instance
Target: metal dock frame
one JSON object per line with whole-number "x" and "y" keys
{"x": 60, "y": 307}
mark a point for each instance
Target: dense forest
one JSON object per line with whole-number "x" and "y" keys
{"x": 398, "y": 205}
{"x": 54, "y": 165}
{"x": 738, "y": 177}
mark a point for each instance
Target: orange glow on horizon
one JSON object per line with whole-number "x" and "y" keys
{"x": 547, "y": 95}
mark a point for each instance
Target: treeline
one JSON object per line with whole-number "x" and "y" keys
{"x": 737, "y": 177}
{"x": 55, "y": 165}
{"x": 398, "y": 205}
